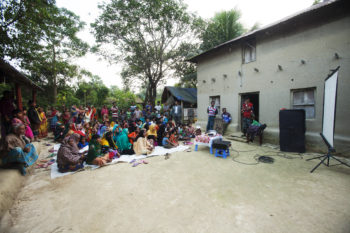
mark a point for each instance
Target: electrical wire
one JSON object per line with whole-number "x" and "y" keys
{"x": 263, "y": 157}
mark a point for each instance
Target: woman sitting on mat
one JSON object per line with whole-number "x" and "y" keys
{"x": 142, "y": 146}
{"x": 68, "y": 156}
{"x": 152, "y": 133}
{"x": 108, "y": 145}
{"x": 120, "y": 137}
{"x": 20, "y": 150}
{"x": 95, "y": 155}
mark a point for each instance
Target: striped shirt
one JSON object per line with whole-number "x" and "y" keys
{"x": 211, "y": 111}
{"x": 114, "y": 111}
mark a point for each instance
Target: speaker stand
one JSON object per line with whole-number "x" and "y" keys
{"x": 324, "y": 157}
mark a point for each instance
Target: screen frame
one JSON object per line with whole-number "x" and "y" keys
{"x": 335, "y": 108}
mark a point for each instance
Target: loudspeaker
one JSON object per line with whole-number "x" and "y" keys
{"x": 219, "y": 144}
{"x": 292, "y": 130}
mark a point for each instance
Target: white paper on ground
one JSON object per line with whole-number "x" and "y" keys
{"x": 159, "y": 150}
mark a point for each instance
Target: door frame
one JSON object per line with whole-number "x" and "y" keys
{"x": 241, "y": 98}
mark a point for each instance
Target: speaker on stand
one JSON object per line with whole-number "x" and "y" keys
{"x": 292, "y": 130}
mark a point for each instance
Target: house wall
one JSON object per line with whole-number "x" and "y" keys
{"x": 316, "y": 45}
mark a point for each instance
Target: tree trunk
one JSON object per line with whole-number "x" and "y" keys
{"x": 153, "y": 93}
{"x": 54, "y": 76}
{"x": 54, "y": 90}
{"x": 147, "y": 95}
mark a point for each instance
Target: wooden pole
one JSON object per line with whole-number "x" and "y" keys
{"x": 34, "y": 95}
{"x": 19, "y": 96}
{"x": 182, "y": 112}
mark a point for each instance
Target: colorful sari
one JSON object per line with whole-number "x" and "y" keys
{"x": 94, "y": 151}
{"x": 15, "y": 145}
{"x": 54, "y": 120}
{"x": 122, "y": 140}
{"x": 43, "y": 126}
{"x": 142, "y": 146}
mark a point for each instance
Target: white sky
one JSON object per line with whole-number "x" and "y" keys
{"x": 262, "y": 11}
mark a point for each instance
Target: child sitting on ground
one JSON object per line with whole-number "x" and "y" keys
{"x": 174, "y": 137}
{"x": 190, "y": 131}
{"x": 82, "y": 143}
{"x": 167, "y": 143}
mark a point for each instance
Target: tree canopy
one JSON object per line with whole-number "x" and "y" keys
{"x": 223, "y": 27}
{"x": 43, "y": 39}
{"x": 147, "y": 35}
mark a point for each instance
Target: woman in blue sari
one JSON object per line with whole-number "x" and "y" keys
{"x": 20, "y": 150}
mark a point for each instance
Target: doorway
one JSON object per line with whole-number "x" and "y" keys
{"x": 254, "y": 99}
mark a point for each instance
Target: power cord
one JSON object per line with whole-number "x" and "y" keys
{"x": 265, "y": 158}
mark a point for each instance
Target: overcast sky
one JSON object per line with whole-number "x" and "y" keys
{"x": 263, "y": 12}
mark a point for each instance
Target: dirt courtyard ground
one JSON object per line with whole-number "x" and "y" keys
{"x": 189, "y": 192}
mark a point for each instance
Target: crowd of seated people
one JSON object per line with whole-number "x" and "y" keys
{"x": 108, "y": 133}
{"x": 119, "y": 132}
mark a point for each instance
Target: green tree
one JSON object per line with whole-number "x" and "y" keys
{"x": 223, "y": 27}
{"x": 147, "y": 35}
{"x": 93, "y": 92}
{"x": 43, "y": 38}
{"x": 186, "y": 71}
{"x": 124, "y": 99}
{"x": 21, "y": 26}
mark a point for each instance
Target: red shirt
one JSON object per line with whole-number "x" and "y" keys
{"x": 247, "y": 110}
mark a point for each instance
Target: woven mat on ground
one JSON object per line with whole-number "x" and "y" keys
{"x": 159, "y": 150}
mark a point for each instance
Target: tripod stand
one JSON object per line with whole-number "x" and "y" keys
{"x": 324, "y": 157}
{"x": 327, "y": 156}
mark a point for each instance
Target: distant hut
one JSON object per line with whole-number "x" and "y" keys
{"x": 187, "y": 98}
{"x": 9, "y": 74}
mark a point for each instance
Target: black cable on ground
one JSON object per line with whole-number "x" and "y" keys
{"x": 265, "y": 158}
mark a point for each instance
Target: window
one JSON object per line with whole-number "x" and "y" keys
{"x": 305, "y": 99}
{"x": 249, "y": 51}
{"x": 217, "y": 102}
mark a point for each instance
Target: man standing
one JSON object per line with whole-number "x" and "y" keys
{"x": 6, "y": 108}
{"x": 212, "y": 111}
{"x": 247, "y": 111}
{"x": 132, "y": 107}
{"x": 114, "y": 110}
{"x": 158, "y": 107}
{"x": 177, "y": 113}
{"x": 226, "y": 118}
{"x": 138, "y": 113}
{"x": 34, "y": 119}
{"x": 148, "y": 106}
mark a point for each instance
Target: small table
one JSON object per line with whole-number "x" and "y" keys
{"x": 205, "y": 140}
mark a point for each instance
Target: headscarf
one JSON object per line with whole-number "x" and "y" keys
{"x": 69, "y": 154}
{"x": 115, "y": 133}
{"x": 122, "y": 139}
{"x": 103, "y": 130}
{"x": 94, "y": 149}
{"x": 108, "y": 141}
{"x": 152, "y": 130}
{"x": 76, "y": 138}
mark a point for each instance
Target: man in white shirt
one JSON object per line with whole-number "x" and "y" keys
{"x": 158, "y": 107}
{"x": 138, "y": 113}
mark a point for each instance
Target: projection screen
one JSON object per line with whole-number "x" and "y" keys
{"x": 329, "y": 106}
